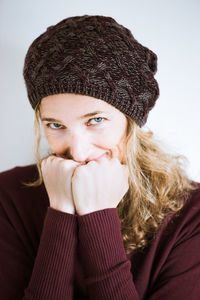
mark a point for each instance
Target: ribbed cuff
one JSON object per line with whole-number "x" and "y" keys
{"x": 100, "y": 232}
{"x": 52, "y": 276}
{"x": 106, "y": 267}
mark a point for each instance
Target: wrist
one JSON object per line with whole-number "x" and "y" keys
{"x": 64, "y": 208}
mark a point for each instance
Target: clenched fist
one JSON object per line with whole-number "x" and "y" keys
{"x": 85, "y": 188}
{"x": 57, "y": 174}
{"x": 99, "y": 185}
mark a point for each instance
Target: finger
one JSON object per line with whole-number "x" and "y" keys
{"x": 43, "y": 162}
{"x": 55, "y": 158}
{"x": 75, "y": 168}
{"x": 46, "y": 159}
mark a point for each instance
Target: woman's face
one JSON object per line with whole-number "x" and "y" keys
{"x": 82, "y": 128}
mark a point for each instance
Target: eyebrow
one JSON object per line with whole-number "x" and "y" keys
{"x": 80, "y": 118}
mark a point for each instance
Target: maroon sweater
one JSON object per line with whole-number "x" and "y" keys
{"x": 48, "y": 254}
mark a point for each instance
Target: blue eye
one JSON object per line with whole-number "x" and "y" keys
{"x": 57, "y": 126}
{"x": 54, "y": 126}
{"x": 99, "y": 119}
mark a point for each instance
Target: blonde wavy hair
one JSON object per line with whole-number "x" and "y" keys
{"x": 158, "y": 184}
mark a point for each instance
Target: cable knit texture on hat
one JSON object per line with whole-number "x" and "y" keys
{"x": 94, "y": 56}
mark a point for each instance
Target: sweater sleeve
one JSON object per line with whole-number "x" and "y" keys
{"x": 175, "y": 271}
{"x": 53, "y": 271}
{"x": 52, "y": 274}
{"x": 106, "y": 267}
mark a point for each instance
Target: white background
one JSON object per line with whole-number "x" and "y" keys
{"x": 170, "y": 28}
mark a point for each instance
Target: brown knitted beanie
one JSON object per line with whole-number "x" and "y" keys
{"x": 94, "y": 56}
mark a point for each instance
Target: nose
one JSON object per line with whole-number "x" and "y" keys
{"x": 78, "y": 148}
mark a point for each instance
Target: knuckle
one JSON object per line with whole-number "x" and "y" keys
{"x": 49, "y": 159}
{"x": 43, "y": 163}
{"x": 92, "y": 163}
{"x": 67, "y": 163}
{"x": 79, "y": 170}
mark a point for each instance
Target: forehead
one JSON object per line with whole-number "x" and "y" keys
{"x": 74, "y": 104}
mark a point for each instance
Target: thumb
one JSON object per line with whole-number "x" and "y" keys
{"x": 115, "y": 152}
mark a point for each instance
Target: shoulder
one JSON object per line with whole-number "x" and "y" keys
{"x": 17, "y": 175}
{"x": 14, "y": 192}
{"x": 184, "y": 224}
{"x": 12, "y": 180}
{"x": 191, "y": 206}
{"x": 190, "y": 212}
{"x": 22, "y": 208}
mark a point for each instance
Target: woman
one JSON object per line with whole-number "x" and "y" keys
{"x": 107, "y": 214}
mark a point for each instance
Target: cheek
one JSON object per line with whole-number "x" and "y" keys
{"x": 111, "y": 140}
{"x": 106, "y": 137}
{"x": 108, "y": 141}
{"x": 55, "y": 142}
